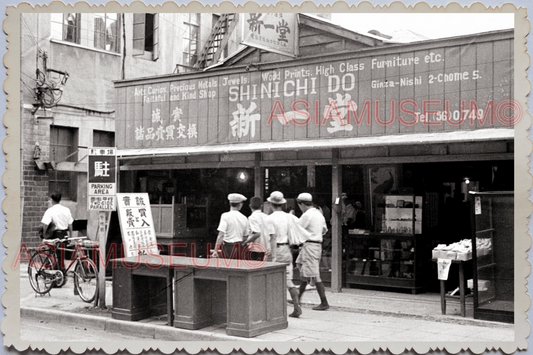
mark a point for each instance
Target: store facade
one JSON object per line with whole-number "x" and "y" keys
{"x": 405, "y": 130}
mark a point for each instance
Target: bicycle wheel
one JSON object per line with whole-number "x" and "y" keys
{"x": 41, "y": 273}
{"x": 86, "y": 280}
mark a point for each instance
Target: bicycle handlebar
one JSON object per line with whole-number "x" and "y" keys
{"x": 57, "y": 240}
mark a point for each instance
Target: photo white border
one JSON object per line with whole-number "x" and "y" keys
{"x": 10, "y": 178}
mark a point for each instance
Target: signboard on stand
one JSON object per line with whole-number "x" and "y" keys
{"x": 101, "y": 190}
{"x": 136, "y": 224}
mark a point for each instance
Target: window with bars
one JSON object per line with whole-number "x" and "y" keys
{"x": 63, "y": 147}
{"x": 190, "y": 39}
{"x": 146, "y": 35}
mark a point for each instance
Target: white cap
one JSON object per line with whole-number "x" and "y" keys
{"x": 236, "y": 198}
{"x": 277, "y": 198}
{"x": 304, "y": 196}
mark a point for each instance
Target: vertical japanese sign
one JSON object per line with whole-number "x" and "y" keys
{"x": 102, "y": 179}
{"x": 136, "y": 224}
{"x": 273, "y": 32}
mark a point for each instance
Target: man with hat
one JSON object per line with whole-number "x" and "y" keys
{"x": 279, "y": 226}
{"x": 233, "y": 229}
{"x": 308, "y": 260}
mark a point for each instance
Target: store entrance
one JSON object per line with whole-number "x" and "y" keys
{"x": 405, "y": 211}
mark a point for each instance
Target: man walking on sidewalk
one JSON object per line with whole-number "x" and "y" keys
{"x": 279, "y": 223}
{"x": 308, "y": 260}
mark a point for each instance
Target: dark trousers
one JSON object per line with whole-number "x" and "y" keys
{"x": 61, "y": 251}
{"x": 231, "y": 250}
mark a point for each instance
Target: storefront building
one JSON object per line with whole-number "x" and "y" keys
{"x": 404, "y": 130}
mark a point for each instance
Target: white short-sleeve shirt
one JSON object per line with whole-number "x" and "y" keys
{"x": 234, "y": 225}
{"x": 258, "y": 224}
{"x": 58, "y": 214}
{"x": 314, "y": 223}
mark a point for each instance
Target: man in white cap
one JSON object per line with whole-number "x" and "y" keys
{"x": 233, "y": 229}
{"x": 308, "y": 260}
{"x": 279, "y": 225}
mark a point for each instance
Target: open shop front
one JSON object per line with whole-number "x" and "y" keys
{"x": 379, "y": 250}
{"x": 403, "y": 140}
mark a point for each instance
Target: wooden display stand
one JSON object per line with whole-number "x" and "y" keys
{"x": 462, "y": 288}
{"x": 182, "y": 223}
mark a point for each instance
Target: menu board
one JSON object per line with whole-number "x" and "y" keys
{"x": 136, "y": 224}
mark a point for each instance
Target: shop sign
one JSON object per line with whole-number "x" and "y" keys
{"x": 136, "y": 224}
{"x": 102, "y": 179}
{"x": 465, "y": 87}
{"x": 276, "y": 32}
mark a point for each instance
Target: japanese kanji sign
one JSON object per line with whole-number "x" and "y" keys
{"x": 440, "y": 88}
{"x": 102, "y": 179}
{"x": 273, "y": 32}
{"x": 136, "y": 224}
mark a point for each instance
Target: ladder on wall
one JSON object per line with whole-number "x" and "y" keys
{"x": 217, "y": 41}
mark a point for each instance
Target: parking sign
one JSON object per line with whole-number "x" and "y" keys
{"x": 102, "y": 179}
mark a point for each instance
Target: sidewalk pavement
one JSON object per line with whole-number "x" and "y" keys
{"x": 354, "y": 315}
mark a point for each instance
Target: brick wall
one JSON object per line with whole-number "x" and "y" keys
{"x": 34, "y": 182}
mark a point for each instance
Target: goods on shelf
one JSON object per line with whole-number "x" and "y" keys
{"x": 456, "y": 251}
{"x": 483, "y": 246}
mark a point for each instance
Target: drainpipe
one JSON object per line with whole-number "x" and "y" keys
{"x": 123, "y": 74}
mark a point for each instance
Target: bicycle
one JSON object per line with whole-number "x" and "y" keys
{"x": 43, "y": 269}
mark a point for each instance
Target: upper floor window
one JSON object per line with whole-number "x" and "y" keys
{"x": 106, "y": 32}
{"x": 146, "y": 35}
{"x": 100, "y": 31}
{"x": 190, "y": 39}
{"x": 66, "y": 27}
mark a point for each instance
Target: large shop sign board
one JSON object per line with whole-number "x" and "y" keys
{"x": 102, "y": 179}
{"x": 437, "y": 89}
{"x": 136, "y": 224}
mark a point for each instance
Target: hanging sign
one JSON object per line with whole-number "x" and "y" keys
{"x": 477, "y": 205}
{"x": 136, "y": 224}
{"x": 273, "y": 32}
{"x": 102, "y": 179}
{"x": 443, "y": 268}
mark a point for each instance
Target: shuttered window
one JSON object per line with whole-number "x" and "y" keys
{"x": 146, "y": 35}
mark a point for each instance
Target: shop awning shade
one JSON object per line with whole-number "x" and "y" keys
{"x": 482, "y": 135}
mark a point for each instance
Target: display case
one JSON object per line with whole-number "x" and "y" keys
{"x": 493, "y": 255}
{"x": 398, "y": 214}
{"x": 191, "y": 216}
{"x": 182, "y": 224}
{"x": 387, "y": 257}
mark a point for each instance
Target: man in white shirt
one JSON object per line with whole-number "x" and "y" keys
{"x": 62, "y": 220}
{"x": 233, "y": 229}
{"x": 308, "y": 260}
{"x": 279, "y": 223}
{"x": 258, "y": 246}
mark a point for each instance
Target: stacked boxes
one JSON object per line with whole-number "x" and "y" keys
{"x": 456, "y": 251}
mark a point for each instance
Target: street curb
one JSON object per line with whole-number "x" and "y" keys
{"x": 157, "y": 332}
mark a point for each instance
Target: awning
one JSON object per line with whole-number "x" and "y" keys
{"x": 489, "y": 134}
